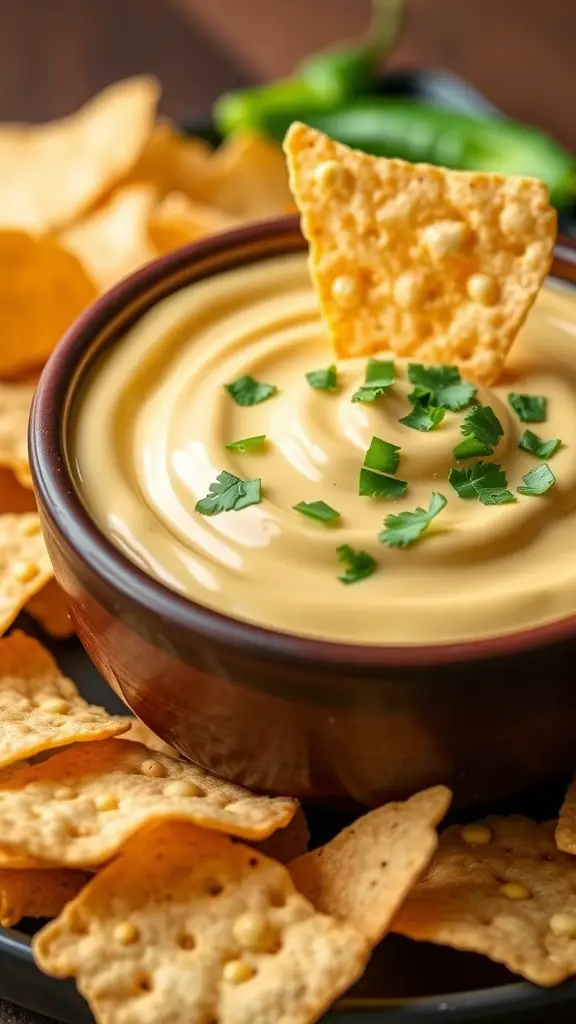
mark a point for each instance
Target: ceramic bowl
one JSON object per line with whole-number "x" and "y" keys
{"x": 340, "y": 724}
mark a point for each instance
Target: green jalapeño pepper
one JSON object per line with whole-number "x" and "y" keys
{"x": 320, "y": 82}
{"x": 421, "y": 133}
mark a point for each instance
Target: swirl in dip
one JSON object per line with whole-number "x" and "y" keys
{"x": 148, "y": 438}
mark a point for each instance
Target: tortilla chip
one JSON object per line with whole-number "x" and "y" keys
{"x": 140, "y": 733}
{"x": 115, "y": 789}
{"x": 14, "y": 498}
{"x": 51, "y": 173}
{"x": 247, "y": 179}
{"x": 288, "y": 843}
{"x": 187, "y": 925}
{"x": 39, "y": 708}
{"x": 511, "y": 896}
{"x": 566, "y": 831}
{"x": 24, "y": 564}
{"x": 15, "y": 402}
{"x": 50, "y": 610}
{"x": 44, "y": 289}
{"x": 434, "y": 264}
{"x": 365, "y": 872}
{"x": 113, "y": 241}
{"x": 171, "y": 161}
{"x": 40, "y": 893}
{"x": 178, "y": 220}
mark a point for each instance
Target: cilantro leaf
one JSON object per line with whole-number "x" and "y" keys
{"x": 537, "y": 481}
{"x": 406, "y": 527}
{"x": 247, "y": 391}
{"x": 482, "y": 430}
{"x": 529, "y": 408}
{"x": 382, "y": 456}
{"x": 380, "y": 372}
{"x": 318, "y": 510}
{"x": 359, "y": 564}
{"x": 470, "y": 448}
{"x": 323, "y": 380}
{"x": 530, "y": 442}
{"x": 484, "y": 480}
{"x": 376, "y": 485}
{"x": 425, "y": 415}
{"x": 229, "y": 493}
{"x": 444, "y": 384}
{"x": 247, "y": 444}
{"x": 378, "y": 378}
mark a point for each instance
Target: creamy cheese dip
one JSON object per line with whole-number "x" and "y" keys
{"x": 148, "y": 438}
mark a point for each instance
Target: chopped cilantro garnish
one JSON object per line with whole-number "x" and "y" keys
{"x": 318, "y": 510}
{"x": 470, "y": 448}
{"x": 376, "y": 485}
{"x": 425, "y": 415}
{"x": 382, "y": 456}
{"x": 247, "y": 391}
{"x": 380, "y": 372}
{"x": 359, "y": 564}
{"x": 406, "y": 527}
{"x": 379, "y": 377}
{"x": 484, "y": 480}
{"x": 229, "y": 493}
{"x": 323, "y": 380}
{"x": 537, "y": 481}
{"x": 247, "y": 444}
{"x": 529, "y": 408}
{"x": 530, "y": 442}
{"x": 482, "y": 430}
{"x": 443, "y": 383}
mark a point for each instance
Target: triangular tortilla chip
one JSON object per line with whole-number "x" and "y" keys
{"x": 434, "y": 264}
{"x": 499, "y": 887}
{"x": 187, "y": 926}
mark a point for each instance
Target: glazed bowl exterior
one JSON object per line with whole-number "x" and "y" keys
{"x": 333, "y": 723}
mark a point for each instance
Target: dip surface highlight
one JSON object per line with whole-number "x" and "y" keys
{"x": 148, "y": 437}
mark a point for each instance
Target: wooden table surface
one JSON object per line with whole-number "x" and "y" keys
{"x": 55, "y": 53}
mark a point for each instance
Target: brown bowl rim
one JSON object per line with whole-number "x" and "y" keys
{"x": 62, "y": 505}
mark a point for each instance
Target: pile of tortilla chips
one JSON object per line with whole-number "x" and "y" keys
{"x": 84, "y": 201}
{"x": 176, "y": 896}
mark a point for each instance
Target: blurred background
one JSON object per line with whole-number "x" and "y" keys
{"x": 54, "y": 54}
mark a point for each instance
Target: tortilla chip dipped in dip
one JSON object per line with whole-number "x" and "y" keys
{"x": 435, "y": 264}
{"x": 416, "y": 486}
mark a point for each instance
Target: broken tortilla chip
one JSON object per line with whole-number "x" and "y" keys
{"x": 114, "y": 789}
{"x": 50, "y": 610}
{"x": 499, "y": 887}
{"x": 364, "y": 873}
{"x": 38, "y": 893}
{"x": 51, "y": 173}
{"x": 178, "y": 220}
{"x": 44, "y": 289}
{"x": 39, "y": 707}
{"x": 24, "y": 564}
{"x": 186, "y": 925}
{"x": 15, "y": 402}
{"x": 113, "y": 241}
{"x": 247, "y": 179}
{"x": 429, "y": 263}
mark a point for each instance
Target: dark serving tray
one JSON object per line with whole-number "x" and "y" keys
{"x": 405, "y": 983}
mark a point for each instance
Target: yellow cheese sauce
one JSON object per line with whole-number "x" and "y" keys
{"x": 148, "y": 437}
